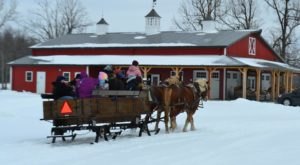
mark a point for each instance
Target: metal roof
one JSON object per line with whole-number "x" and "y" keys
{"x": 135, "y": 39}
{"x": 155, "y": 60}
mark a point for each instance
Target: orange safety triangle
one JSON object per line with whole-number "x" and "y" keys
{"x": 66, "y": 109}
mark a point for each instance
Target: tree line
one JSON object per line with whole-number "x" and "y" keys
{"x": 54, "y": 18}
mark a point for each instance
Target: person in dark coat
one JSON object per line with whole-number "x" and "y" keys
{"x": 116, "y": 82}
{"x": 86, "y": 85}
{"x": 61, "y": 89}
{"x": 75, "y": 84}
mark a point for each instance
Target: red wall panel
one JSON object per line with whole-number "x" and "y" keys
{"x": 19, "y": 83}
{"x": 240, "y": 49}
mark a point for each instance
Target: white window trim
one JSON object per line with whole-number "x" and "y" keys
{"x": 26, "y": 78}
{"x": 250, "y": 50}
{"x": 69, "y": 77}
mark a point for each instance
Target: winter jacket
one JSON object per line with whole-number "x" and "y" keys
{"x": 134, "y": 71}
{"x": 86, "y": 85}
{"x": 62, "y": 89}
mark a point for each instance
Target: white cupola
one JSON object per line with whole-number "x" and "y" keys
{"x": 101, "y": 27}
{"x": 152, "y": 23}
{"x": 209, "y": 25}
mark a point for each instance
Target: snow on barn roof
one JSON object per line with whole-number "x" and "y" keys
{"x": 135, "y": 39}
{"x": 154, "y": 60}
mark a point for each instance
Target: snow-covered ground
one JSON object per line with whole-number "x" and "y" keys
{"x": 238, "y": 132}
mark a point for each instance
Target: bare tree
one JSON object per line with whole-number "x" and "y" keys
{"x": 194, "y": 11}
{"x": 288, "y": 16}
{"x": 13, "y": 45}
{"x": 53, "y": 19}
{"x": 240, "y": 14}
{"x": 7, "y": 12}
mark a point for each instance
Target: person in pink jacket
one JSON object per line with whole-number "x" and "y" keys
{"x": 134, "y": 76}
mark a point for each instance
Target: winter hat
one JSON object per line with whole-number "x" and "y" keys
{"x": 60, "y": 78}
{"x": 78, "y": 76}
{"x": 108, "y": 68}
{"x": 135, "y": 63}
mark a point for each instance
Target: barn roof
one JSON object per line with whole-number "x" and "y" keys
{"x": 155, "y": 60}
{"x": 135, "y": 39}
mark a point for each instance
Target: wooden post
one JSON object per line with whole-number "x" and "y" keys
{"x": 177, "y": 70}
{"x": 244, "y": 83}
{"x": 278, "y": 84}
{"x": 286, "y": 82}
{"x": 145, "y": 71}
{"x": 258, "y": 82}
{"x": 292, "y": 79}
{"x": 273, "y": 84}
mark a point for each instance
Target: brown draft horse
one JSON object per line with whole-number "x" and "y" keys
{"x": 192, "y": 95}
{"x": 174, "y": 99}
{"x": 165, "y": 98}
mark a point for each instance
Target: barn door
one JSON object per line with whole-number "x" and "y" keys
{"x": 40, "y": 82}
{"x": 215, "y": 85}
{"x": 199, "y": 74}
{"x": 265, "y": 81}
{"x": 155, "y": 79}
{"x": 233, "y": 79}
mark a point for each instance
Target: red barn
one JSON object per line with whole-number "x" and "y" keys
{"x": 228, "y": 59}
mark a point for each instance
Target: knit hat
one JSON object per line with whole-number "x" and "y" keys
{"x": 135, "y": 63}
{"x": 60, "y": 78}
{"x": 108, "y": 68}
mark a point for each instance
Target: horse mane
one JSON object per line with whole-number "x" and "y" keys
{"x": 173, "y": 80}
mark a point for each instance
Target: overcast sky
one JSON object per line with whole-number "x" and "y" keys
{"x": 122, "y": 15}
{"x": 129, "y": 15}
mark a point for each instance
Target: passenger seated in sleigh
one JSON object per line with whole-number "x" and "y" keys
{"x": 134, "y": 77}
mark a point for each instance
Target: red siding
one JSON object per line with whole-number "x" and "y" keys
{"x": 240, "y": 49}
{"x": 128, "y": 51}
{"x": 52, "y": 72}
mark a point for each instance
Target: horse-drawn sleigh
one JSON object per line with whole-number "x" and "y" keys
{"x": 111, "y": 109}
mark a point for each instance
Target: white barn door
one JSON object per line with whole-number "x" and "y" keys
{"x": 215, "y": 85}
{"x": 155, "y": 79}
{"x": 40, "y": 82}
{"x": 233, "y": 79}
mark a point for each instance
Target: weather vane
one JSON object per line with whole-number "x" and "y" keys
{"x": 154, "y": 3}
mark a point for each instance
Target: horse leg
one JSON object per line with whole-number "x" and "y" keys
{"x": 167, "y": 112}
{"x": 192, "y": 124}
{"x": 157, "y": 120}
{"x": 173, "y": 123}
{"x": 187, "y": 121}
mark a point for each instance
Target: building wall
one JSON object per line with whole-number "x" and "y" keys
{"x": 262, "y": 51}
{"x": 18, "y": 76}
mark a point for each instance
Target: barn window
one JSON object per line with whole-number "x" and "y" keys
{"x": 201, "y": 74}
{"x": 228, "y": 75}
{"x": 215, "y": 75}
{"x": 234, "y": 75}
{"x": 67, "y": 75}
{"x": 28, "y": 76}
{"x": 252, "y": 46}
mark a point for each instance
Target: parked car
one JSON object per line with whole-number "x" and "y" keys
{"x": 290, "y": 99}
